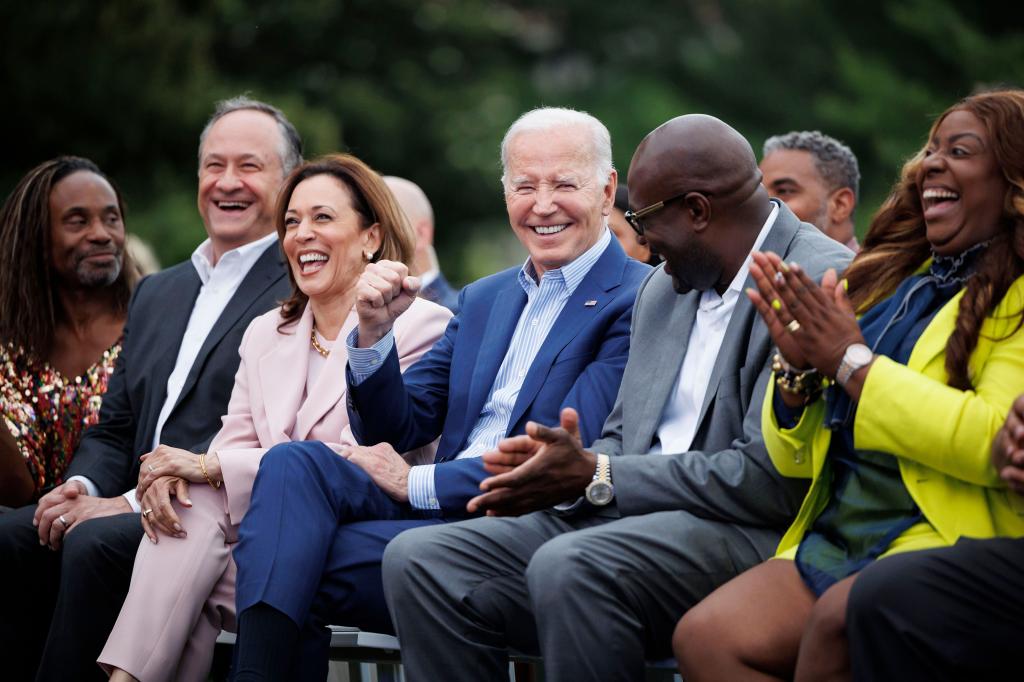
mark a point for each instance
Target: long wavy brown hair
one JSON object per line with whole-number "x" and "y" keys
{"x": 896, "y": 244}
{"x": 371, "y": 199}
{"x": 30, "y": 308}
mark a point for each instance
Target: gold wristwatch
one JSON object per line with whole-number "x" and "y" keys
{"x": 601, "y": 491}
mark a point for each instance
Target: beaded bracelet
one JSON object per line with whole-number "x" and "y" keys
{"x": 806, "y": 383}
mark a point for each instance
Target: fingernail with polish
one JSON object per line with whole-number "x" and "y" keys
{"x": 776, "y": 304}
{"x": 177, "y": 527}
{"x": 846, "y": 285}
{"x": 783, "y": 266}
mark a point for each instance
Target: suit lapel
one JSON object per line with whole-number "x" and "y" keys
{"x": 596, "y": 289}
{"x": 330, "y": 385}
{"x": 267, "y": 270}
{"x": 175, "y": 310}
{"x": 283, "y": 373}
{"x": 494, "y": 343}
{"x": 664, "y": 362}
{"x": 737, "y": 333}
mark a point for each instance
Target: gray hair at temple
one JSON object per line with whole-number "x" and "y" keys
{"x": 552, "y": 118}
{"x": 291, "y": 142}
{"x": 835, "y": 162}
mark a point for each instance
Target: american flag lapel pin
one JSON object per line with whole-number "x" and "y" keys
{"x": 591, "y": 303}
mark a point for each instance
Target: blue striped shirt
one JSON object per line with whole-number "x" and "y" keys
{"x": 544, "y": 303}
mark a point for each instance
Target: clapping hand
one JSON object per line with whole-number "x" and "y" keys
{"x": 1008, "y": 448}
{"x": 812, "y": 325}
{"x": 384, "y": 291}
{"x": 542, "y": 468}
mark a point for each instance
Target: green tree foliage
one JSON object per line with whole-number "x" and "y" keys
{"x": 426, "y": 88}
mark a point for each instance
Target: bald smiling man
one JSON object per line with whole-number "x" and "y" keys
{"x": 676, "y": 497}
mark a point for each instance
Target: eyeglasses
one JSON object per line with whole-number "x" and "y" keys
{"x": 634, "y": 217}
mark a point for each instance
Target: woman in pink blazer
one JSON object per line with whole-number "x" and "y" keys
{"x": 333, "y": 216}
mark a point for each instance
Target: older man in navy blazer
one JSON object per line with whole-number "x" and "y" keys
{"x": 526, "y": 343}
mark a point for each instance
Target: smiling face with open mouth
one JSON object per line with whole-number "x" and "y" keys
{"x": 556, "y": 204}
{"x": 961, "y": 185}
{"x": 240, "y": 173}
{"x": 324, "y": 238}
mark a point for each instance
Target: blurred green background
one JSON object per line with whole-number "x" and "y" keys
{"x": 425, "y": 89}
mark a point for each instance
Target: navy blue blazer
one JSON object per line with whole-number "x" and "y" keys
{"x": 580, "y": 365}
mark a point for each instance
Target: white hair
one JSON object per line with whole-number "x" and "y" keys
{"x": 551, "y": 118}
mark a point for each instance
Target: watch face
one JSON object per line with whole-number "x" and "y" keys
{"x": 860, "y": 354}
{"x": 600, "y": 493}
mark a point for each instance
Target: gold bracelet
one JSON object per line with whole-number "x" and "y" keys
{"x": 206, "y": 474}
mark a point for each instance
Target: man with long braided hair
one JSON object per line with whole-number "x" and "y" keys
{"x": 64, "y": 290}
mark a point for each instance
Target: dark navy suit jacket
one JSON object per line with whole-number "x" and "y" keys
{"x": 441, "y": 292}
{"x": 579, "y": 365}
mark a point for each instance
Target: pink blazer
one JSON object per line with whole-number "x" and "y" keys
{"x": 269, "y": 404}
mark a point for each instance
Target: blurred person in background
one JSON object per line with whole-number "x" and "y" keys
{"x": 818, "y": 178}
{"x": 142, "y": 255}
{"x": 68, "y": 560}
{"x": 65, "y": 282}
{"x": 926, "y": 352}
{"x": 433, "y": 285}
{"x": 627, "y": 236}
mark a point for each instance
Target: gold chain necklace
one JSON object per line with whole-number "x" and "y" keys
{"x": 316, "y": 344}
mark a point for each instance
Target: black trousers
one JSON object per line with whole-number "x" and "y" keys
{"x": 57, "y": 608}
{"x": 947, "y": 614}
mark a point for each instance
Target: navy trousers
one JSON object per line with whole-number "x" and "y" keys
{"x": 311, "y": 545}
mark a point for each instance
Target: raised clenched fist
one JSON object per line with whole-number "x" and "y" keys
{"x": 385, "y": 291}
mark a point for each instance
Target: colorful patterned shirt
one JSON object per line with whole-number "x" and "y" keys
{"x": 46, "y": 412}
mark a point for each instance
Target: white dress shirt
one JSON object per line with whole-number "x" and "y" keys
{"x": 679, "y": 420}
{"x": 220, "y": 281}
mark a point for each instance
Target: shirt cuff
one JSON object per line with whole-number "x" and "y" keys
{"x": 363, "y": 362}
{"x": 130, "y": 496}
{"x": 90, "y": 487}
{"x": 422, "y": 492}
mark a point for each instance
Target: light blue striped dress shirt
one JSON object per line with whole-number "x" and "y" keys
{"x": 544, "y": 303}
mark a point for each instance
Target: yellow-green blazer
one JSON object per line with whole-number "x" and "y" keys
{"x": 941, "y": 436}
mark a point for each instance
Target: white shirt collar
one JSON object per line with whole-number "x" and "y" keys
{"x": 245, "y": 255}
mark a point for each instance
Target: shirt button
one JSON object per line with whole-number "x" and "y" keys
{"x": 522, "y": 373}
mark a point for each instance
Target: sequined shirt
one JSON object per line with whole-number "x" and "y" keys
{"x": 46, "y": 412}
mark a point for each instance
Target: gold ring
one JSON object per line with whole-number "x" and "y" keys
{"x": 793, "y": 327}
{"x": 147, "y": 513}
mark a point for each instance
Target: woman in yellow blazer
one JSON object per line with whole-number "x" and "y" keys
{"x": 889, "y": 386}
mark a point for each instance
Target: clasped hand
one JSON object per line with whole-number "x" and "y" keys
{"x": 811, "y": 325}
{"x": 165, "y": 473}
{"x": 384, "y": 291}
{"x": 542, "y": 468}
{"x": 1008, "y": 448}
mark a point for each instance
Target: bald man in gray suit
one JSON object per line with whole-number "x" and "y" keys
{"x": 677, "y": 497}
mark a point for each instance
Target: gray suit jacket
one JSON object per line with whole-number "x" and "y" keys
{"x": 728, "y": 475}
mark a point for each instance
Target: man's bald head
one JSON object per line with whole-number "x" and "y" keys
{"x": 693, "y": 152}
{"x": 412, "y": 200}
{"x": 699, "y": 182}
